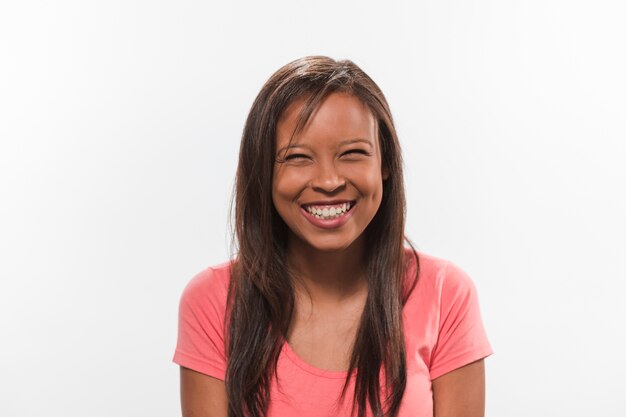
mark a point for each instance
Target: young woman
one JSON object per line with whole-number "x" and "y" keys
{"x": 324, "y": 311}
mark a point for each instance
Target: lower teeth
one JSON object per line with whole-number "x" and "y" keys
{"x": 319, "y": 216}
{"x": 327, "y": 218}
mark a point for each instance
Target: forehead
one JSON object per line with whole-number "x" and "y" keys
{"x": 339, "y": 116}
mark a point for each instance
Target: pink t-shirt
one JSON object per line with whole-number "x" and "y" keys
{"x": 443, "y": 331}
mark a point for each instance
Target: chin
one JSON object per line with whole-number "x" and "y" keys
{"x": 331, "y": 246}
{"x": 331, "y": 249}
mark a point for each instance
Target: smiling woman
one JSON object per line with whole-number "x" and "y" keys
{"x": 324, "y": 311}
{"x": 329, "y": 175}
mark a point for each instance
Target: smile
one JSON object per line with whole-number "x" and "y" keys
{"x": 328, "y": 212}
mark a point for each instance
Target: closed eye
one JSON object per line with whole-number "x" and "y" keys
{"x": 295, "y": 156}
{"x": 356, "y": 152}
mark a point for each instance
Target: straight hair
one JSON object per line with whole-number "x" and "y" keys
{"x": 261, "y": 292}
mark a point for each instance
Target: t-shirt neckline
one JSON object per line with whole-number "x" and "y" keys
{"x": 298, "y": 361}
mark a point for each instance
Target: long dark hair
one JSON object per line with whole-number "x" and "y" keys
{"x": 261, "y": 294}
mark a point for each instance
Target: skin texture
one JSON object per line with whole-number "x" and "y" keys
{"x": 335, "y": 157}
{"x": 202, "y": 395}
{"x": 461, "y": 393}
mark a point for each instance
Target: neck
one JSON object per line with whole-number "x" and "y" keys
{"x": 327, "y": 276}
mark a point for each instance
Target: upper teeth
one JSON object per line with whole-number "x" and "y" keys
{"x": 328, "y": 212}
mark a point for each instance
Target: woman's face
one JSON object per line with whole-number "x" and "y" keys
{"x": 328, "y": 182}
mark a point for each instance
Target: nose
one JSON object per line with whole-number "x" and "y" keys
{"x": 328, "y": 179}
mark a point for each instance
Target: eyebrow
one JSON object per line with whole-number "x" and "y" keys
{"x": 342, "y": 143}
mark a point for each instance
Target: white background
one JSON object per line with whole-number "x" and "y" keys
{"x": 120, "y": 124}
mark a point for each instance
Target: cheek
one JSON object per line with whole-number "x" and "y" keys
{"x": 370, "y": 180}
{"x": 285, "y": 185}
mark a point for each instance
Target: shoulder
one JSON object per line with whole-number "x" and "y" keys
{"x": 439, "y": 275}
{"x": 208, "y": 288}
{"x": 201, "y": 322}
{"x": 444, "y": 314}
{"x": 213, "y": 278}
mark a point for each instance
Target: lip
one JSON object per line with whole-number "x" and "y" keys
{"x": 330, "y": 223}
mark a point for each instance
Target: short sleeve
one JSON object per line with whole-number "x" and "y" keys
{"x": 200, "y": 345}
{"x": 462, "y": 338}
